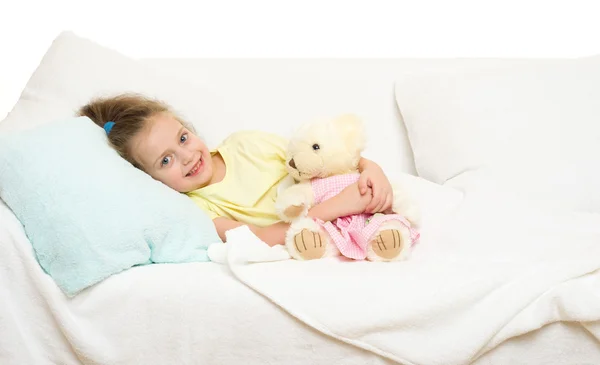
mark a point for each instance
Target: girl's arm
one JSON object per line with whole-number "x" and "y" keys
{"x": 272, "y": 235}
{"x": 349, "y": 201}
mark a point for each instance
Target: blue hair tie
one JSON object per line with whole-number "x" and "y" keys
{"x": 108, "y": 126}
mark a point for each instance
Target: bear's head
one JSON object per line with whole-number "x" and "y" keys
{"x": 324, "y": 148}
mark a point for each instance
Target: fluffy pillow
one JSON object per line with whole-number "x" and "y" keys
{"x": 87, "y": 212}
{"x": 530, "y": 131}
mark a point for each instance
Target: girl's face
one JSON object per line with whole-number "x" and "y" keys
{"x": 172, "y": 154}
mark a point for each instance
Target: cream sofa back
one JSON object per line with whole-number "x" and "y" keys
{"x": 279, "y": 94}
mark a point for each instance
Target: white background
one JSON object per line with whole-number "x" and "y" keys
{"x": 307, "y": 28}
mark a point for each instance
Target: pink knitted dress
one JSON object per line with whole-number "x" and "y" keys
{"x": 352, "y": 234}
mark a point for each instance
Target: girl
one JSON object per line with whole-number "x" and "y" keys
{"x": 235, "y": 183}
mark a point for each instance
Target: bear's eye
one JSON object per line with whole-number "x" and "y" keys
{"x": 315, "y": 146}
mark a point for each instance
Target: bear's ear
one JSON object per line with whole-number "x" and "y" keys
{"x": 352, "y": 130}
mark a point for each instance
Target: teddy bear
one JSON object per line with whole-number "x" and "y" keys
{"x": 322, "y": 158}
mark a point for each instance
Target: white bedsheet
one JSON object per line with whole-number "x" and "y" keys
{"x": 200, "y": 313}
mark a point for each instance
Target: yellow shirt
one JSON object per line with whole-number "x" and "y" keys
{"x": 255, "y": 165}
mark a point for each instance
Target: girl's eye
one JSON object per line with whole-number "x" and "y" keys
{"x": 315, "y": 147}
{"x": 183, "y": 138}
{"x": 165, "y": 161}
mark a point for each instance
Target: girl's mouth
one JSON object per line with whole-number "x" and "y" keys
{"x": 195, "y": 169}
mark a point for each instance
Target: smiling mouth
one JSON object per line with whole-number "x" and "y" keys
{"x": 195, "y": 169}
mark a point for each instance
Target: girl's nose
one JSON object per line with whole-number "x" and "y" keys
{"x": 186, "y": 156}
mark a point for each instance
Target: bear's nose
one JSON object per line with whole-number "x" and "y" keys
{"x": 292, "y": 163}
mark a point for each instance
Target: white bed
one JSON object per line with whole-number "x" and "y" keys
{"x": 199, "y": 314}
{"x": 211, "y": 313}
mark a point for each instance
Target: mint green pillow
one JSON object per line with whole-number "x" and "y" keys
{"x": 88, "y": 213}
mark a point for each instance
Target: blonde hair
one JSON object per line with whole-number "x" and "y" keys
{"x": 130, "y": 113}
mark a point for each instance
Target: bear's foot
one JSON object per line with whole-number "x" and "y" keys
{"x": 391, "y": 242}
{"x": 310, "y": 245}
{"x": 388, "y": 244}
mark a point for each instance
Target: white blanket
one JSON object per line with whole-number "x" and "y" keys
{"x": 492, "y": 270}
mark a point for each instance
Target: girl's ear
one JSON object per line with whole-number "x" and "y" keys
{"x": 352, "y": 130}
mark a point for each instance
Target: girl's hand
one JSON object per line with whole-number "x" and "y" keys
{"x": 350, "y": 200}
{"x": 373, "y": 178}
